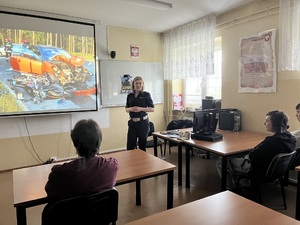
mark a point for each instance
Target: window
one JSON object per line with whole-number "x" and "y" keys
{"x": 195, "y": 89}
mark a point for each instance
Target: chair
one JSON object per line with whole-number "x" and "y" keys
{"x": 276, "y": 172}
{"x": 98, "y": 208}
{"x": 150, "y": 142}
{"x": 295, "y": 162}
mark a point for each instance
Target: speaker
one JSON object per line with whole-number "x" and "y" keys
{"x": 113, "y": 54}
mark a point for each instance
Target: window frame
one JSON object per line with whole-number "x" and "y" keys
{"x": 204, "y": 82}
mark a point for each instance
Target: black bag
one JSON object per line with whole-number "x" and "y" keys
{"x": 179, "y": 124}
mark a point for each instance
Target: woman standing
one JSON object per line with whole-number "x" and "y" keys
{"x": 138, "y": 104}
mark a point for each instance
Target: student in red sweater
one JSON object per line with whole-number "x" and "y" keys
{"x": 89, "y": 173}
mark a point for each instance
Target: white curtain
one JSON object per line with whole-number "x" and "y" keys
{"x": 289, "y": 35}
{"x": 188, "y": 51}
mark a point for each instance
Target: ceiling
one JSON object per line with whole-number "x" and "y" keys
{"x": 123, "y": 14}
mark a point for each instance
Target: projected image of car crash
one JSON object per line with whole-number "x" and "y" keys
{"x": 46, "y": 72}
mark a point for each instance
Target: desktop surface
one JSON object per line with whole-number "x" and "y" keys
{"x": 224, "y": 208}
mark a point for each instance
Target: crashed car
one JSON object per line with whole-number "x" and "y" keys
{"x": 58, "y": 66}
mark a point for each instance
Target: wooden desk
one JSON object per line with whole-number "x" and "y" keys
{"x": 224, "y": 208}
{"x": 179, "y": 147}
{"x": 135, "y": 165}
{"x": 233, "y": 144}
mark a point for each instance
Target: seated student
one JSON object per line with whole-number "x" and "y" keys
{"x": 89, "y": 173}
{"x": 296, "y": 133}
{"x": 256, "y": 163}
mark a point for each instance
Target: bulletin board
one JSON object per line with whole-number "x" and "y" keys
{"x": 112, "y": 72}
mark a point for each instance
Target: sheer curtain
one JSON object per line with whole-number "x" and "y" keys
{"x": 188, "y": 51}
{"x": 289, "y": 35}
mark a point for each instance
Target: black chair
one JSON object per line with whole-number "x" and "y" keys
{"x": 150, "y": 141}
{"x": 295, "y": 162}
{"x": 276, "y": 172}
{"x": 98, "y": 208}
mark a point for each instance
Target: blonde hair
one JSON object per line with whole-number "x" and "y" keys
{"x": 136, "y": 79}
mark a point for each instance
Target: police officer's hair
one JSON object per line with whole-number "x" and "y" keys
{"x": 134, "y": 80}
{"x": 298, "y": 106}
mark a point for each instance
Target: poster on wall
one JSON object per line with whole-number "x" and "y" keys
{"x": 257, "y": 64}
{"x": 134, "y": 51}
{"x": 126, "y": 82}
{"x": 177, "y": 102}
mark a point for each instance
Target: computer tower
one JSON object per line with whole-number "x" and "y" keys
{"x": 230, "y": 119}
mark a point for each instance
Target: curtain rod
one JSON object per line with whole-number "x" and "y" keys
{"x": 247, "y": 18}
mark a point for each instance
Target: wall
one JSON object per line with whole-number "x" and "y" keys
{"x": 18, "y": 152}
{"x": 23, "y": 150}
{"x": 254, "y": 106}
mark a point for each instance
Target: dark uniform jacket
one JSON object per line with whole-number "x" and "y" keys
{"x": 142, "y": 100}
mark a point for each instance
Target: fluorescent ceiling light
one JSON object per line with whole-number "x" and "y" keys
{"x": 152, "y": 4}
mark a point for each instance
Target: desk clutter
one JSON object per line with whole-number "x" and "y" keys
{"x": 207, "y": 137}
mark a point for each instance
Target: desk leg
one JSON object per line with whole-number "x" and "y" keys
{"x": 187, "y": 166}
{"x": 298, "y": 198}
{"x": 138, "y": 200}
{"x": 179, "y": 164}
{"x": 21, "y": 216}
{"x": 170, "y": 189}
{"x": 224, "y": 173}
{"x": 155, "y": 145}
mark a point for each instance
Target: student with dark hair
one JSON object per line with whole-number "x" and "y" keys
{"x": 87, "y": 174}
{"x": 138, "y": 104}
{"x": 256, "y": 163}
{"x": 296, "y": 133}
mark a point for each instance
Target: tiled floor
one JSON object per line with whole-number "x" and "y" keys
{"x": 204, "y": 182}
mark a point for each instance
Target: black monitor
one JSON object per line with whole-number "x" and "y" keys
{"x": 205, "y": 121}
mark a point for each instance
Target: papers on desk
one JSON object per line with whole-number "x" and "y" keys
{"x": 171, "y": 133}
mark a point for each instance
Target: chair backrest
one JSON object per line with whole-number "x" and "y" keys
{"x": 99, "y": 208}
{"x": 151, "y": 129}
{"x": 279, "y": 166}
{"x": 296, "y": 160}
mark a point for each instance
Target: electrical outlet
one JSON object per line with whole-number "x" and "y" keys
{"x": 52, "y": 159}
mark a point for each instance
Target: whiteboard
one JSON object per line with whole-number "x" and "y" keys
{"x": 111, "y": 72}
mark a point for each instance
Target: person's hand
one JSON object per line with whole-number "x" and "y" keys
{"x": 136, "y": 109}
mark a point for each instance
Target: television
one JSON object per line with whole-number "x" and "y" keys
{"x": 50, "y": 68}
{"x": 205, "y": 121}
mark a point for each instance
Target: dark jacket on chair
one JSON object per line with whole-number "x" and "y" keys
{"x": 263, "y": 153}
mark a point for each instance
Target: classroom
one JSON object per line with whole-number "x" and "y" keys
{"x": 32, "y": 142}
